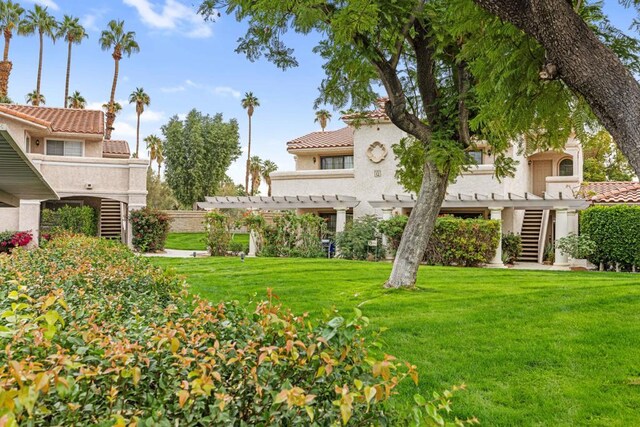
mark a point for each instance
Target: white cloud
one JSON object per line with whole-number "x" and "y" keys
{"x": 173, "y": 89}
{"x": 226, "y": 91}
{"x": 89, "y": 22}
{"x": 46, "y": 3}
{"x": 123, "y": 130}
{"x": 172, "y": 16}
{"x": 148, "y": 116}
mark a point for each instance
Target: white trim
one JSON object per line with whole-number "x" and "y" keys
{"x": 46, "y": 146}
{"x": 314, "y": 174}
{"x": 88, "y": 164}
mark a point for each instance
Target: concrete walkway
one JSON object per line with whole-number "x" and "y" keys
{"x": 176, "y": 253}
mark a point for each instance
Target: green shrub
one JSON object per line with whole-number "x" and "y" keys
{"x": 290, "y": 235}
{"x": 355, "y": 242}
{"x": 93, "y": 335}
{"x": 217, "y": 227}
{"x": 393, "y": 229}
{"x": 150, "y": 228}
{"x": 577, "y": 247}
{"x": 616, "y": 233}
{"x": 72, "y": 219}
{"x": 511, "y": 247}
{"x": 463, "y": 242}
{"x": 237, "y": 247}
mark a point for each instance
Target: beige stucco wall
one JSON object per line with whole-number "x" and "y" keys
{"x": 9, "y": 219}
{"x": 186, "y": 221}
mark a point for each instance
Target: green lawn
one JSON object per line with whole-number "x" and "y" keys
{"x": 534, "y": 348}
{"x": 195, "y": 241}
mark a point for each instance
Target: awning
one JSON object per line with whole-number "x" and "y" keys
{"x": 487, "y": 201}
{"x": 19, "y": 179}
{"x": 279, "y": 203}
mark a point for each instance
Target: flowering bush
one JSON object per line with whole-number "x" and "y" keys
{"x": 150, "y": 228}
{"x": 93, "y": 335}
{"x": 14, "y": 239}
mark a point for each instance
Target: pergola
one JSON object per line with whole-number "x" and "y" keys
{"x": 19, "y": 178}
{"x": 496, "y": 203}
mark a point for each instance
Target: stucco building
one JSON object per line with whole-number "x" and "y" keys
{"x": 350, "y": 172}
{"x": 66, "y": 148}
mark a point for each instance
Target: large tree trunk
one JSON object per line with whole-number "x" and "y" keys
{"x": 583, "y": 62}
{"x": 246, "y": 179}
{"x": 7, "y": 41}
{"x": 37, "y": 100}
{"x": 66, "y": 84}
{"x": 111, "y": 115}
{"x": 419, "y": 228}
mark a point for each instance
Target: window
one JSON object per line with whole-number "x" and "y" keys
{"x": 64, "y": 148}
{"x": 476, "y": 155}
{"x": 566, "y": 167}
{"x": 336, "y": 162}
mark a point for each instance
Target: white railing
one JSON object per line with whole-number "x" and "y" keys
{"x": 542, "y": 238}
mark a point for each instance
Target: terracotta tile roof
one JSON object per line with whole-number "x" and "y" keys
{"x": 329, "y": 139}
{"x": 116, "y": 149}
{"x": 611, "y": 192}
{"x": 59, "y": 119}
{"x": 377, "y": 114}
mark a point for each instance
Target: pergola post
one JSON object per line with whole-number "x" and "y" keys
{"x": 341, "y": 219}
{"x": 496, "y": 262}
{"x": 562, "y": 230}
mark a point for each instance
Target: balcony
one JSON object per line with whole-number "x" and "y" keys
{"x": 317, "y": 181}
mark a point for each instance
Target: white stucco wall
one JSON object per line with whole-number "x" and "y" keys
{"x": 9, "y": 219}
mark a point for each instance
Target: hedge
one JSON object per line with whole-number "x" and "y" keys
{"x": 93, "y": 335}
{"x": 616, "y": 233}
{"x": 462, "y": 242}
{"x": 72, "y": 219}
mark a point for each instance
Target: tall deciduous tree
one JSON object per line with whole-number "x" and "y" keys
{"x": 11, "y": 20}
{"x": 198, "y": 151}
{"x": 603, "y": 161}
{"x": 437, "y": 83}
{"x": 322, "y": 117}
{"x": 123, "y": 43}
{"x": 141, "y": 99}
{"x": 583, "y": 57}
{"x": 41, "y": 22}
{"x": 73, "y": 33}
{"x": 249, "y": 103}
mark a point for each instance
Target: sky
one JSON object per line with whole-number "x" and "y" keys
{"x": 185, "y": 63}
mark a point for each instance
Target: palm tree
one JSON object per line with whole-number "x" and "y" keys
{"x": 255, "y": 168}
{"x": 122, "y": 43}
{"x": 10, "y": 20}
{"x": 154, "y": 143}
{"x": 249, "y": 102}
{"x": 267, "y": 167}
{"x": 322, "y": 117}
{"x": 141, "y": 99}
{"x": 73, "y": 33}
{"x": 34, "y": 98}
{"x": 38, "y": 20}
{"x": 115, "y": 107}
{"x": 76, "y": 101}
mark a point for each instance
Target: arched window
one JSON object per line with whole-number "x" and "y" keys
{"x": 566, "y": 167}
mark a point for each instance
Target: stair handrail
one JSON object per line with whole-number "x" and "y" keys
{"x": 542, "y": 238}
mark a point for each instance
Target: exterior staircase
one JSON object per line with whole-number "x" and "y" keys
{"x": 530, "y": 235}
{"x": 110, "y": 219}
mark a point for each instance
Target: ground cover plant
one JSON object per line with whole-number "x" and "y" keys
{"x": 197, "y": 242}
{"x": 533, "y": 347}
{"x": 94, "y": 335}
